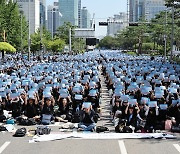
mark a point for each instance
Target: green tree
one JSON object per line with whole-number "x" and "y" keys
{"x": 10, "y": 23}
{"x": 108, "y": 42}
{"x": 56, "y": 45}
{"x": 37, "y": 42}
{"x": 63, "y": 32}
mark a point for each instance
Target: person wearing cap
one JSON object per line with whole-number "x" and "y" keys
{"x": 87, "y": 121}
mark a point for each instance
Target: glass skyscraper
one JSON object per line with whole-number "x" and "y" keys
{"x": 85, "y": 16}
{"x": 69, "y": 11}
{"x": 145, "y": 9}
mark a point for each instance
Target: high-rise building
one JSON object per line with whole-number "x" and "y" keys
{"x": 136, "y": 10}
{"x": 116, "y": 23}
{"x": 43, "y": 12}
{"x": 69, "y": 11}
{"x": 79, "y": 14}
{"x": 32, "y": 11}
{"x": 145, "y": 9}
{"x": 85, "y": 18}
{"x": 53, "y": 17}
{"x": 153, "y": 7}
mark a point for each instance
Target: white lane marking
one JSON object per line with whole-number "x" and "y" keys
{"x": 122, "y": 147}
{"x": 3, "y": 147}
{"x": 177, "y": 147}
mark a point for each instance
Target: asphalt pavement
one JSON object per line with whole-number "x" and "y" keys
{"x": 21, "y": 145}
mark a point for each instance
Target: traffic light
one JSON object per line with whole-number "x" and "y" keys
{"x": 103, "y": 23}
{"x": 133, "y": 24}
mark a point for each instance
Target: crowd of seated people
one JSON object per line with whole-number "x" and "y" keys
{"x": 65, "y": 88}
{"x": 52, "y": 91}
{"x": 146, "y": 92}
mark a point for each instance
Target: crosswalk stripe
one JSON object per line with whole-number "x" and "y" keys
{"x": 3, "y": 147}
{"x": 177, "y": 147}
{"x": 122, "y": 147}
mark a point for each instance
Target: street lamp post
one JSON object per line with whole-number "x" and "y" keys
{"x": 70, "y": 48}
{"x": 52, "y": 29}
{"x": 172, "y": 34}
{"x": 21, "y": 30}
{"x": 165, "y": 38}
{"x": 29, "y": 37}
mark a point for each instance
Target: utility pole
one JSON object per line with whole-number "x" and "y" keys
{"x": 21, "y": 32}
{"x": 41, "y": 35}
{"x": 52, "y": 24}
{"x": 29, "y": 37}
{"x": 70, "y": 40}
{"x": 172, "y": 34}
{"x": 165, "y": 38}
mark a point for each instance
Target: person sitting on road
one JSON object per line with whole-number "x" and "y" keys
{"x": 32, "y": 108}
{"x": 87, "y": 121}
{"x": 47, "y": 111}
{"x": 64, "y": 114}
{"x": 131, "y": 115}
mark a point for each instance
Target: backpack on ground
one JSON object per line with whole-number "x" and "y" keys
{"x": 42, "y": 130}
{"x": 20, "y": 132}
{"x": 100, "y": 129}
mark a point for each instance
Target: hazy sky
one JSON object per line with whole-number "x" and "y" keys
{"x": 102, "y": 9}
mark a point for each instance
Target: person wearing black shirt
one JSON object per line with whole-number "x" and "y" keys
{"x": 87, "y": 122}
{"x": 32, "y": 109}
{"x": 64, "y": 113}
{"x": 47, "y": 111}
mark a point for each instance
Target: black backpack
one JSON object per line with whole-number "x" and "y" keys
{"x": 100, "y": 129}
{"x": 2, "y": 128}
{"x": 20, "y": 132}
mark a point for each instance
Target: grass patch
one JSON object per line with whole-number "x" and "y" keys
{"x": 131, "y": 53}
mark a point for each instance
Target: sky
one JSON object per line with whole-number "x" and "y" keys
{"x": 102, "y": 9}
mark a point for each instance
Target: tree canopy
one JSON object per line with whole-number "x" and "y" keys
{"x": 4, "y": 46}
{"x": 10, "y": 23}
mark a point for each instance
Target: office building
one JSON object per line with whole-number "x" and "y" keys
{"x": 69, "y": 11}
{"x": 53, "y": 17}
{"x": 43, "y": 12}
{"x": 79, "y": 14}
{"x": 116, "y": 23}
{"x": 145, "y": 9}
{"x": 153, "y": 7}
{"x": 85, "y": 18}
{"x": 32, "y": 11}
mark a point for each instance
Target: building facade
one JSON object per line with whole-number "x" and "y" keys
{"x": 153, "y": 7}
{"x": 32, "y": 11}
{"x": 79, "y": 14}
{"x": 85, "y": 18}
{"x": 145, "y": 9}
{"x": 53, "y": 17}
{"x": 69, "y": 11}
{"x": 116, "y": 23}
{"x": 43, "y": 12}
